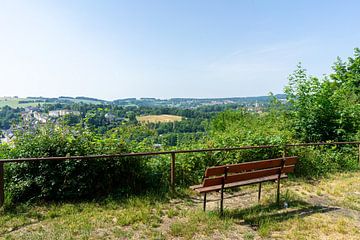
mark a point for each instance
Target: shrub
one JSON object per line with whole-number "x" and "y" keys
{"x": 73, "y": 179}
{"x": 320, "y": 161}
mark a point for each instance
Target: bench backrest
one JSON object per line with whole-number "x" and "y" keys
{"x": 248, "y": 170}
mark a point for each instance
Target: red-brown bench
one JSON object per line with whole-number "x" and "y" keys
{"x": 219, "y": 178}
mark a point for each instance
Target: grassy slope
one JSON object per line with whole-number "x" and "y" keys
{"x": 325, "y": 209}
{"x": 14, "y": 102}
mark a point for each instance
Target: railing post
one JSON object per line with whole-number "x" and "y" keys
{"x": 2, "y": 195}
{"x": 172, "y": 171}
{"x": 279, "y": 176}
{"x": 284, "y": 152}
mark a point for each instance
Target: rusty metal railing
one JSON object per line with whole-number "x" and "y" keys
{"x": 171, "y": 153}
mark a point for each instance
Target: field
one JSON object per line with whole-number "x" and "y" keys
{"x": 158, "y": 118}
{"x": 16, "y": 102}
{"x": 323, "y": 209}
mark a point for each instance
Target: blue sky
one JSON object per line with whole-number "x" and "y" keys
{"x": 188, "y": 48}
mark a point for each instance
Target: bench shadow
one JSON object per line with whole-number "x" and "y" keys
{"x": 259, "y": 214}
{"x": 200, "y": 198}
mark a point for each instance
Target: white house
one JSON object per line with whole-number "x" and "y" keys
{"x": 63, "y": 112}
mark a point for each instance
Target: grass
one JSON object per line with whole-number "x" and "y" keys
{"x": 199, "y": 223}
{"x": 158, "y": 118}
{"x": 334, "y": 190}
{"x": 323, "y": 209}
{"x": 14, "y": 102}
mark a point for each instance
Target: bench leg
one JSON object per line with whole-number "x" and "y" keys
{"x": 259, "y": 192}
{"x": 204, "y": 206}
{"x": 278, "y": 192}
{"x": 222, "y": 202}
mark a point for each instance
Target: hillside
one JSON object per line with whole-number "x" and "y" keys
{"x": 324, "y": 209}
{"x": 15, "y": 102}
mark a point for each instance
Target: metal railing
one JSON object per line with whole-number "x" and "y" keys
{"x": 171, "y": 153}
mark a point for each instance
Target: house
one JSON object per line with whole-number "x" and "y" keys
{"x": 6, "y": 136}
{"x": 40, "y": 117}
{"x": 32, "y": 109}
{"x": 110, "y": 117}
{"x": 63, "y": 112}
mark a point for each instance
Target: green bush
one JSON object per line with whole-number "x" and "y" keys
{"x": 74, "y": 179}
{"x": 319, "y": 161}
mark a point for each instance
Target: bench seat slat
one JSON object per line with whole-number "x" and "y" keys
{"x": 251, "y": 175}
{"x": 291, "y": 161}
{"x": 257, "y": 174}
{"x": 255, "y": 166}
{"x": 212, "y": 181}
{"x": 240, "y": 183}
{"x": 208, "y": 182}
{"x": 248, "y": 166}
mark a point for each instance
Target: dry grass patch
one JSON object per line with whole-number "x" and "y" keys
{"x": 342, "y": 189}
{"x": 319, "y": 226}
{"x": 158, "y": 118}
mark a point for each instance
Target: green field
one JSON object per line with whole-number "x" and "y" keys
{"x": 16, "y": 102}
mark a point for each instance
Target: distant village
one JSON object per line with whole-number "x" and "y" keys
{"x": 32, "y": 116}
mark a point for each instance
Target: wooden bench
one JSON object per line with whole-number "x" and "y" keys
{"x": 219, "y": 178}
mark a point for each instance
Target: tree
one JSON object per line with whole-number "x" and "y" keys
{"x": 346, "y": 77}
{"x": 313, "y": 109}
{"x": 328, "y": 108}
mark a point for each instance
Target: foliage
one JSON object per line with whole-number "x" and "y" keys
{"x": 73, "y": 179}
{"x": 8, "y": 116}
{"x": 319, "y": 161}
{"x": 328, "y": 108}
{"x": 241, "y": 128}
{"x": 346, "y": 77}
{"x": 313, "y": 109}
{"x": 232, "y": 129}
